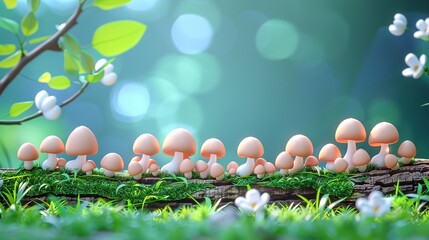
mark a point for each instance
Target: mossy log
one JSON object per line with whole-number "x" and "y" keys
{"x": 364, "y": 183}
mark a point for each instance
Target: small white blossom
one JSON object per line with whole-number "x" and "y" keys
{"x": 399, "y": 25}
{"x": 253, "y": 202}
{"x": 423, "y": 29}
{"x": 47, "y": 105}
{"x": 375, "y": 206}
{"x": 109, "y": 77}
{"x": 415, "y": 66}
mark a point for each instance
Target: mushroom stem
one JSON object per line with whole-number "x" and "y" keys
{"x": 330, "y": 166}
{"x": 89, "y": 173}
{"x": 378, "y": 160}
{"x": 298, "y": 164}
{"x": 173, "y": 166}
{"x": 188, "y": 175}
{"x": 362, "y": 168}
{"x": 50, "y": 163}
{"x": 28, "y": 165}
{"x": 204, "y": 174}
{"x": 213, "y": 159}
{"x": 220, "y": 177}
{"x": 144, "y": 162}
{"x": 109, "y": 173}
{"x": 247, "y": 168}
{"x": 405, "y": 160}
{"x": 76, "y": 164}
{"x": 138, "y": 176}
{"x": 351, "y": 149}
{"x": 283, "y": 172}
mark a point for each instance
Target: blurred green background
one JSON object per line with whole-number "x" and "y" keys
{"x": 232, "y": 69}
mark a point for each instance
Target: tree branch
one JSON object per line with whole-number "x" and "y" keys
{"x": 49, "y": 44}
{"x": 39, "y": 113}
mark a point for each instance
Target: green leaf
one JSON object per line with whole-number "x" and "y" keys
{"x": 69, "y": 43}
{"x": 114, "y": 38}
{"x": 45, "y": 77}
{"x": 39, "y": 39}
{"x": 19, "y": 108}
{"x": 110, "y": 4}
{"x": 70, "y": 65}
{"x": 29, "y": 24}
{"x": 10, "y": 4}
{"x": 59, "y": 82}
{"x": 9, "y": 25}
{"x": 94, "y": 78}
{"x": 11, "y": 60}
{"x": 33, "y": 5}
{"x": 87, "y": 62}
{"x": 6, "y": 49}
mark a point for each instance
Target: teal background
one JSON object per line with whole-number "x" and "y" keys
{"x": 340, "y": 62}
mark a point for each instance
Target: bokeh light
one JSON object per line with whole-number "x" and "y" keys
{"x": 382, "y": 110}
{"x": 130, "y": 101}
{"x": 191, "y": 33}
{"x": 141, "y": 6}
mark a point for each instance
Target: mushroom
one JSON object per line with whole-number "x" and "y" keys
{"x": 382, "y": 135}
{"x": 213, "y": 148}
{"x": 407, "y": 150}
{"x": 147, "y": 145}
{"x": 284, "y": 161}
{"x": 61, "y": 163}
{"x": 154, "y": 168}
{"x": 186, "y": 167}
{"x": 311, "y": 162}
{"x": 270, "y": 169}
{"x": 328, "y": 154}
{"x": 391, "y": 162}
{"x": 341, "y": 165}
{"x": 93, "y": 163}
{"x": 260, "y": 161}
{"x": 249, "y": 148}
{"x": 232, "y": 168}
{"x": 202, "y": 168}
{"x": 361, "y": 159}
{"x": 53, "y": 146}
{"x": 259, "y": 171}
{"x": 81, "y": 142}
{"x": 88, "y": 167}
{"x": 350, "y": 131}
{"x": 217, "y": 171}
{"x": 28, "y": 153}
{"x": 135, "y": 169}
{"x": 111, "y": 163}
{"x": 299, "y": 146}
{"x": 179, "y": 143}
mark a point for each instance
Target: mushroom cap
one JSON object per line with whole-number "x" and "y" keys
{"x": 61, "y": 162}
{"x": 284, "y": 161}
{"x": 154, "y": 167}
{"x": 52, "y": 144}
{"x": 112, "y": 162}
{"x": 186, "y": 165}
{"x": 269, "y": 167}
{"x": 135, "y": 159}
{"x": 329, "y": 153}
{"x": 299, "y": 145}
{"x": 27, "y": 152}
{"x": 232, "y": 165}
{"x": 407, "y": 149}
{"x": 151, "y": 161}
{"x": 383, "y": 133}
{"x": 360, "y": 157}
{"x": 260, "y": 169}
{"x": 390, "y": 161}
{"x": 311, "y": 161}
{"x": 135, "y": 168}
{"x": 81, "y": 141}
{"x": 179, "y": 140}
{"x": 260, "y": 161}
{"x": 86, "y": 167}
{"x": 92, "y": 162}
{"x": 250, "y": 147}
{"x": 146, "y": 144}
{"x": 201, "y": 166}
{"x": 216, "y": 170}
{"x": 350, "y": 129}
{"x": 340, "y": 164}
{"x": 213, "y": 146}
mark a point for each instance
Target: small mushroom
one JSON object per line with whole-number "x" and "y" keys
{"x": 202, "y": 168}
{"x": 391, "y": 162}
{"x": 259, "y": 171}
{"x": 260, "y": 161}
{"x": 407, "y": 150}
{"x": 382, "y": 135}
{"x": 270, "y": 169}
{"x": 217, "y": 171}
{"x": 154, "y": 168}
{"x": 213, "y": 148}
{"x": 284, "y": 161}
{"x": 341, "y": 165}
{"x": 28, "y": 153}
{"x": 81, "y": 142}
{"x": 232, "y": 168}
{"x": 135, "y": 170}
{"x": 186, "y": 167}
{"x": 361, "y": 159}
{"x": 299, "y": 146}
{"x": 250, "y": 148}
{"x": 52, "y": 145}
{"x": 350, "y": 131}
{"x": 111, "y": 163}
{"x": 147, "y": 145}
{"x": 328, "y": 154}
{"x": 311, "y": 162}
{"x": 180, "y": 144}
{"x": 61, "y": 163}
{"x": 88, "y": 167}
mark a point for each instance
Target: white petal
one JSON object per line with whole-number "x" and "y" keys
{"x": 375, "y": 196}
{"x": 423, "y": 59}
{"x": 108, "y": 69}
{"x": 53, "y": 114}
{"x": 419, "y": 34}
{"x": 109, "y": 79}
{"x": 400, "y": 17}
{"x": 39, "y": 98}
{"x": 408, "y": 72}
{"x": 400, "y": 24}
{"x": 265, "y": 198}
{"x": 239, "y": 200}
{"x": 245, "y": 207}
{"x": 48, "y": 103}
{"x": 253, "y": 196}
{"x": 421, "y": 24}
{"x": 411, "y": 60}
{"x": 100, "y": 63}
{"x": 417, "y": 74}
{"x": 395, "y": 31}
{"x": 361, "y": 202}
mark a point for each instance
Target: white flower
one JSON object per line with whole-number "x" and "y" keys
{"x": 374, "y": 206}
{"x": 254, "y": 201}
{"x": 416, "y": 66}
{"x": 423, "y": 27}
{"x": 47, "y": 105}
{"x": 109, "y": 77}
{"x": 399, "y": 25}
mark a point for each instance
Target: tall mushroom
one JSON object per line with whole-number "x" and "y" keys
{"x": 382, "y": 135}
{"x": 111, "y": 163}
{"x": 81, "y": 142}
{"x": 147, "y": 145}
{"x": 178, "y": 143}
{"x": 249, "y": 148}
{"x": 299, "y": 146}
{"x": 28, "y": 153}
{"x": 350, "y": 131}
{"x": 212, "y": 148}
{"x": 52, "y": 145}
{"x": 407, "y": 150}
{"x": 328, "y": 154}
{"x": 284, "y": 161}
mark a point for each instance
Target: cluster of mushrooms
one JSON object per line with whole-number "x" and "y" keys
{"x": 180, "y": 144}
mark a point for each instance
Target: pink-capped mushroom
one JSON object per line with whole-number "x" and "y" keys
{"x": 232, "y": 168}
{"x": 135, "y": 170}
{"x": 111, "y": 163}
{"x": 202, "y": 168}
{"x": 250, "y": 148}
{"x": 328, "y": 154}
{"x": 301, "y": 147}
{"x": 52, "y": 145}
{"x": 147, "y": 145}
{"x": 284, "y": 162}
{"x": 350, "y": 131}
{"x": 28, "y": 154}
{"x": 259, "y": 171}
{"x": 186, "y": 167}
{"x": 213, "y": 149}
{"x": 270, "y": 169}
{"x": 407, "y": 151}
{"x": 180, "y": 144}
{"x": 81, "y": 142}
{"x": 361, "y": 159}
{"x": 217, "y": 172}
{"x": 382, "y": 135}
